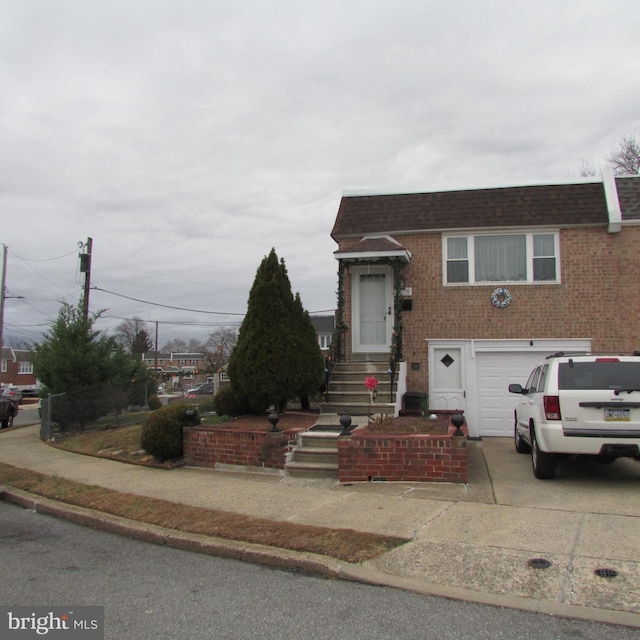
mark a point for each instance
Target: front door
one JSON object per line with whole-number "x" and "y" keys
{"x": 372, "y": 309}
{"x": 446, "y": 374}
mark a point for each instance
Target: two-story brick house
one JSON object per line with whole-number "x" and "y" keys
{"x": 469, "y": 289}
{"x": 16, "y": 368}
{"x": 177, "y": 369}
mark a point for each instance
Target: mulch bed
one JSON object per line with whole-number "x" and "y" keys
{"x": 404, "y": 425}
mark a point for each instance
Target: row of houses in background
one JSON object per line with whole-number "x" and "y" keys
{"x": 183, "y": 370}
{"x": 16, "y": 368}
{"x": 177, "y": 370}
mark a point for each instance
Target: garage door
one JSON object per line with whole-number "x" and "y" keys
{"x": 495, "y": 404}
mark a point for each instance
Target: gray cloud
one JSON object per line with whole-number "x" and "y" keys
{"x": 188, "y": 138}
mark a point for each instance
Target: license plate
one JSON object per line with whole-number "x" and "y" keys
{"x": 617, "y": 415}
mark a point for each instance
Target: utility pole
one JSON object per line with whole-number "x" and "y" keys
{"x": 2, "y": 297}
{"x": 85, "y": 267}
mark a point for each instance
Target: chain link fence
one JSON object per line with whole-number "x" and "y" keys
{"x": 103, "y": 406}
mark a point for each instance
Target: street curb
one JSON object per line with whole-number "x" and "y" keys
{"x": 368, "y": 575}
{"x": 301, "y": 562}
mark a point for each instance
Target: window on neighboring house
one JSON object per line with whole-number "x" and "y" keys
{"x": 4, "y": 366}
{"x": 324, "y": 341}
{"x": 517, "y": 257}
{"x": 25, "y": 367}
{"x": 224, "y": 376}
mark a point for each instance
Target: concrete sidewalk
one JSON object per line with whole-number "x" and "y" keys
{"x": 471, "y": 541}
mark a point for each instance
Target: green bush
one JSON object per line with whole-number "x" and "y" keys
{"x": 228, "y": 403}
{"x": 162, "y": 430}
{"x": 206, "y": 404}
{"x": 154, "y": 402}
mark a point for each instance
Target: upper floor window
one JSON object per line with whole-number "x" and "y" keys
{"x": 324, "y": 340}
{"x": 517, "y": 257}
{"x": 25, "y": 367}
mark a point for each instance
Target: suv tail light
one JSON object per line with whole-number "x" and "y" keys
{"x": 552, "y": 407}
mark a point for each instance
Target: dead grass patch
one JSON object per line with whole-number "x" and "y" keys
{"x": 343, "y": 544}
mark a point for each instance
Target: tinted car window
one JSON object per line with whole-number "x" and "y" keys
{"x": 543, "y": 377}
{"x": 532, "y": 384}
{"x": 599, "y": 375}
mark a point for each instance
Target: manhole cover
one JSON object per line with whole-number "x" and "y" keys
{"x": 606, "y": 573}
{"x": 539, "y": 563}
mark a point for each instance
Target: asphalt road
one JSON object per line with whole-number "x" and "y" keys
{"x": 151, "y": 592}
{"x": 27, "y": 414}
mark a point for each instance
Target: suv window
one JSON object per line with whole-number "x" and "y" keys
{"x": 599, "y": 375}
{"x": 543, "y": 377}
{"x": 532, "y": 382}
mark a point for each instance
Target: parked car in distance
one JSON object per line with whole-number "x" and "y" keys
{"x": 201, "y": 390}
{"x": 9, "y": 391}
{"x": 8, "y": 410}
{"x": 579, "y": 404}
{"x": 31, "y": 392}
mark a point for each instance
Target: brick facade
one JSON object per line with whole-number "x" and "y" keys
{"x": 597, "y": 298}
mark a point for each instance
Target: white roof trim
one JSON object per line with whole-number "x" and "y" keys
{"x": 613, "y": 203}
{"x": 353, "y": 193}
{"x": 403, "y": 254}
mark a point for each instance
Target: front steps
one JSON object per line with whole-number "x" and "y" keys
{"x": 347, "y": 392}
{"x": 316, "y": 454}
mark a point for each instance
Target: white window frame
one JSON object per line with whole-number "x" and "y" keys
{"x": 529, "y": 257}
{"x": 25, "y": 368}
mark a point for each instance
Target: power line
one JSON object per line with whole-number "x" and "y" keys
{"x": 167, "y": 306}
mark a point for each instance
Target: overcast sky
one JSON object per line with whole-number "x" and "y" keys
{"x": 189, "y": 137}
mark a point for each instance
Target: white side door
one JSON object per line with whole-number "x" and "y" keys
{"x": 447, "y": 377}
{"x": 372, "y": 319}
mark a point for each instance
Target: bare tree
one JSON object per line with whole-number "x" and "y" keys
{"x": 626, "y": 158}
{"x": 218, "y": 347}
{"x": 133, "y": 336}
{"x": 588, "y": 169}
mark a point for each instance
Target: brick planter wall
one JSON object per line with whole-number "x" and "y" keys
{"x": 411, "y": 458}
{"x": 204, "y": 446}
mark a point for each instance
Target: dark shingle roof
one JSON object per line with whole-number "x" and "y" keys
{"x": 629, "y": 195}
{"x": 323, "y": 324}
{"x": 563, "y": 204}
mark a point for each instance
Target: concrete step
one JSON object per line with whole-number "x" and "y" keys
{"x": 318, "y": 440}
{"x": 358, "y": 408}
{"x": 316, "y": 454}
{"x": 312, "y": 470}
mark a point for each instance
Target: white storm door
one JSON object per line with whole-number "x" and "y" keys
{"x": 446, "y": 373}
{"x": 372, "y": 309}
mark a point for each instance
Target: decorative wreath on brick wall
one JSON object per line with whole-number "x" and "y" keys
{"x": 501, "y": 298}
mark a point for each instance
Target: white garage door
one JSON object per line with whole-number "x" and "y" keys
{"x": 495, "y": 404}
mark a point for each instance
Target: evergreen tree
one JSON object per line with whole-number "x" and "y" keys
{"x": 309, "y": 358}
{"x": 74, "y": 355}
{"x": 269, "y": 365}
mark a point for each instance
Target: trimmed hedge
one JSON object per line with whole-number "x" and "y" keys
{"x": 162, "y": 430}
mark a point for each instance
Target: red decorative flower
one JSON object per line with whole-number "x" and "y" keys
{"x": 371, "y": 383}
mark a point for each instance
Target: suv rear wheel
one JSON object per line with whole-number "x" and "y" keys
{"x": 544, "y": 464}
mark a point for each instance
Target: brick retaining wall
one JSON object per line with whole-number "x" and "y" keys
{"x": 204, "y": 446}
{"x": 412, "y": 458}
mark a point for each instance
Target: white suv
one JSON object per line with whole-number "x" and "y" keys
{"x": 579, "y": 404}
